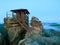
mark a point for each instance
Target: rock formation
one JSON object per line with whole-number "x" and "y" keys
{"x": 33, "y": 37}
{"x": 36, "y": 24}
{"x": 36, "y": 27}
{"x": 15, "y": 34}
{"x": 34, "y": 34}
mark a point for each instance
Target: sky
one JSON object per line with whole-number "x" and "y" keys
{"x": 45, "y": 10}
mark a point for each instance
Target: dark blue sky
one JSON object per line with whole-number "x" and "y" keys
{"x": 45, "y": 10}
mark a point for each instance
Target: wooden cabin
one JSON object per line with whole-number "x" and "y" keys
{"x": 19, "y": 16}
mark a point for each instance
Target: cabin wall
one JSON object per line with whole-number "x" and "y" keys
{"x": 22, "y": 17}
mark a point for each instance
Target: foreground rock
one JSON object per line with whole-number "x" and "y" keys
{"x": 35, "y": 32}
{"x": 15, "y": 35}
{"x": 39, "y": 40}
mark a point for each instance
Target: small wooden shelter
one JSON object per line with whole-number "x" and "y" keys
{"x": 19, "y": 17}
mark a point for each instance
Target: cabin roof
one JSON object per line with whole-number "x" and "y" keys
{"x": 18, "y": 10}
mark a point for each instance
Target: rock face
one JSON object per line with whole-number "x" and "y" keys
{"x": 36, "y": 24}
{"x": 15, "y": 35}
{"x": 36, "y": 27}
{"x": 34, "y": 34}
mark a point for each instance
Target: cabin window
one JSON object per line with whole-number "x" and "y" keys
{"x": 14, "y": 15}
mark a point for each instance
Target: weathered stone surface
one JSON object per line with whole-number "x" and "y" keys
{"x": 37, "y": 39}
{"x": 36, "y": 24}
{"x": 34, "y": 34}
{"x": 15, "y": 34}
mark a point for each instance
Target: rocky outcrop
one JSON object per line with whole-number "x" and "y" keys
{"x": 16, "y": 34}
{"x": 39, "y": 40}
{"x": 36, "y": 24}
{"x": 34, "y": 34}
